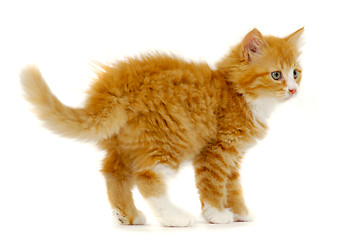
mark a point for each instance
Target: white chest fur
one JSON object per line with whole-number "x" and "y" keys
{"x": 262, "y": 108}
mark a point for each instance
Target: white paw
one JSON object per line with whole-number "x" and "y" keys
{"x": 213, "y": 215}
{"x": 175, "y": 218}
{"x": 140, "y": 219}
{"x": 240, "y": 218}
{"x": 120, "y": 217}
{"x": 167, "y": 214}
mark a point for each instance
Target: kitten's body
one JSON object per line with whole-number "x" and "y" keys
{"x": 152, "y": 113}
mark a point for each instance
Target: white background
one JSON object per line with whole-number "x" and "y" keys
{"x": 301, "y": 182}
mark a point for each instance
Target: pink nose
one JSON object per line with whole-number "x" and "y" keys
{"x": 293, "y": 90}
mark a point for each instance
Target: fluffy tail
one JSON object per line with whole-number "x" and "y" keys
{"x": 88, "y": 124}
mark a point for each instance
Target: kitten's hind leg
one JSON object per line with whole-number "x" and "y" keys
{"x": 151, "y": 184}
{"x": 119, "y": 187}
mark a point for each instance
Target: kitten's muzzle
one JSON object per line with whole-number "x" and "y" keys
{"x": 292, "y": 90}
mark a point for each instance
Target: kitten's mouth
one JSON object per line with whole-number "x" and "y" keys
{"x": 284, "y": 96}
{"x": 288, "y": 96}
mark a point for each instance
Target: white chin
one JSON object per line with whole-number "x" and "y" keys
{"x": 284, "y": 98}
{"x": 288, "y": 96}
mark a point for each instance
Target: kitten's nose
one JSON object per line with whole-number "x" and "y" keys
{"x": 293, "y": 90}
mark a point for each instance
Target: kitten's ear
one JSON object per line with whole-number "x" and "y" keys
{"x": 296, "y": 37}
{"x": 252, "y": 45}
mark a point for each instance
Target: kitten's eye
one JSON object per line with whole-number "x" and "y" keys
{"x": 276, "y": 75}
{"x": 295, "y": 73}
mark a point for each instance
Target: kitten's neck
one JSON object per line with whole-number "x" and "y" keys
{"x": 261, "y": 107}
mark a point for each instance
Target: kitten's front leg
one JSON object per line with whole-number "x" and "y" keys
{"x": 235, "y": 200}
{"x": 212, "y": 169}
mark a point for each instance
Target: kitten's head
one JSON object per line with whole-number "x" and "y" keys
{"x": 265, "y": 66}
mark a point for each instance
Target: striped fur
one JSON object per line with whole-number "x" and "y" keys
{"x": 151, "y": 113}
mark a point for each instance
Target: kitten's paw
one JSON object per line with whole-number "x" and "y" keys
{"x": 175, "y": 218}
{"x": 140, "y": 219}
{"x": 168, "y": 214}
{"x": 240, "y": 218}
{"x": 213, "y": 215}
{"x": 120, "y": 217}
{"x": 123, "y": 219}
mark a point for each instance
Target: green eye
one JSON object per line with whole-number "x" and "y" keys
{"x": 276, "y": 75}
{"x": 295, "y": 73}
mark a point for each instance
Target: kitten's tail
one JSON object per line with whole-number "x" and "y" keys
{"x": 81, "y": 123}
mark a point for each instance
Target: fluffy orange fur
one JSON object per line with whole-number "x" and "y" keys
{"x": 159, "y": 110}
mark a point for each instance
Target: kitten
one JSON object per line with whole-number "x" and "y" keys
{"x": 153, "y": 112}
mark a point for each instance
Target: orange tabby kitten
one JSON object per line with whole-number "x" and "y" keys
{"x": 154, "y": 112}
